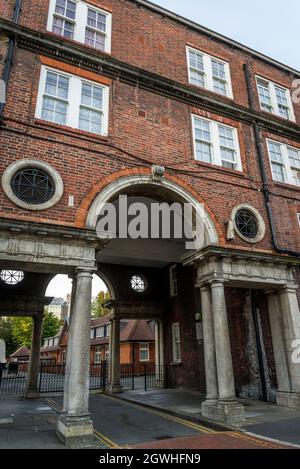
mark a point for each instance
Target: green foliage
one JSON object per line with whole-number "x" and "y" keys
{"x": 17, "y": 331}
{"x": 6, "y": 333}
{"x": 51, "y": 325}
{"x": 98, "y": 310}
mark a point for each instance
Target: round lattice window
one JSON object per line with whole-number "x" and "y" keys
{"x": 11, "y": 277}
{"x": 138, "y": 283}
{"x": 248, "y": 223}
{"x": 33, "y": 186}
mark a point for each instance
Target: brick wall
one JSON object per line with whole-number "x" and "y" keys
{"x": 156, "y": 43}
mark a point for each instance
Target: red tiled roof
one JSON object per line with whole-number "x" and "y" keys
{"x": 21, "y": 352}
{"x": 137, "y": 330}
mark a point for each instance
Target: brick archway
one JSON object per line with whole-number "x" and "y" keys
{"x": 110, "y": 186}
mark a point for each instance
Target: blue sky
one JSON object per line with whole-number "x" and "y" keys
{"x": 268, "y": 26}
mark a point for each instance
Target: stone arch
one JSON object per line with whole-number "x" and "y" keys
{"x": 171, "y": 184}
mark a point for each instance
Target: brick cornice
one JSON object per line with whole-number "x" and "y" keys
{"x": 79, "y": 55}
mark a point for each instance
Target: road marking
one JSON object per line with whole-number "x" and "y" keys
{"x": 242, "y": 436}
{"x": 187, "y": 423}
{"x": 104, "y": 439}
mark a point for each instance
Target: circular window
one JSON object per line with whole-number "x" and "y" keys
{"x": 248, "y": 223}
{"x": 11, "y": 277}
{"x": 32, "y": 184}
{"x": 138, "y": 284}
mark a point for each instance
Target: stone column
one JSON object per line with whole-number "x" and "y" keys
{"x": 74, "y": 423}
{"x": 209, "y": 350}
{"x": 277, "y": 330}
{"x": 228, "y": 409}
{"x": 66, "y": 384}
{"x": 291, "y": 324}
{"x": 32, "y": 390}
{"x": 115, "y": 386}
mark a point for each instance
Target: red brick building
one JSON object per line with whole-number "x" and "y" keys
{"x": 121, "y": 97}
{"x": 137, "y": 343}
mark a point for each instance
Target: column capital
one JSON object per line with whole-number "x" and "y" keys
{"x": 205, "y": 287}
{"x": 85, "y": 271}
{"x": 288, "y": 289}
{"x": 216, "y": 282}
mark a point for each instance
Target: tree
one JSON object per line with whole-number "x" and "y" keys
{"x": 51, "y": 325}
{"x": 98, "y": 308}
{"x": 22, "y": 330}
{"x": 6, "y": 333}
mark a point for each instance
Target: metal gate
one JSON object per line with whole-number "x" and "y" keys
{"x": 13, "y": 379}
{"x": 144, "y": 376}
{"x": 52, "y": 377}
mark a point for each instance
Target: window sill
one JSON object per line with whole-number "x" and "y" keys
{"x": 280, "y": 118}
{"x": 287, "y": 186}
{"x": 176, "y": 364}
{"x": 213, "y": 167}
{"x": 78, "y": 43}
{"x": 63, "y": 129}
{"x": 210, "y": 92}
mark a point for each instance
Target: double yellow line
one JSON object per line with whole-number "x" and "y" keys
{"x": 187, "y": 423}
{"x": 104, "y": 440}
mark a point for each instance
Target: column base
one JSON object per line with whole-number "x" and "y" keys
{"x": 75, "y": 432}
{"x": 228, "y": 412}
{"x": 114, "y": 389}
{"x": 32, "y": 394}
{"x": 288, "y": 399}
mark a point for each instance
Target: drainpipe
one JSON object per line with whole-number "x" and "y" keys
{"x": 266, "y": 189}
{"x": 11, "y": 46}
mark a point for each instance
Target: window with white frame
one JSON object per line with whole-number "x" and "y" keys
{"x": 275, "y": 99}
{"x": 298, "y": 216}
{"x": 144, "y": 352}
{"x": 209, "y": 72}
{"x": 176, "y": 342}
{"x": 216, "y": 143}
{"x": 107, "y": 330}
{"x": 100, "y": 332}
{"x": 97, "y": 355}
{"x": 82, "y": 22}
{"x": 173, "y": 281}
{"x": 72, "y": 101}
{"x": 92, "y": 333}
{"x": 285, "y": 162}
{"x": 56, "y": 341}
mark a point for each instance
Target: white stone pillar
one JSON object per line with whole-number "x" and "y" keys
{"x": 209, "y": 348}
{"x": 228, "y": 410}
{"x": 277, "y": 331}
{"x": 67, "y": 374}
{"x": 114, "y": 385}
{"x": 291, "y": 323}
{"x": 75, "y": 423}
{"x": 32, "y": 390}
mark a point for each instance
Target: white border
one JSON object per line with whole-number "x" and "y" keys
{"x": 81, "y": 22}
{"x": 273, "y": 96}
{"x": 74, "y": 99}
{"x": 23, "y": 164}
{"x": 208, "y": 76}
{"x": 261, "y": 224}
{"x": 215, "y": 140}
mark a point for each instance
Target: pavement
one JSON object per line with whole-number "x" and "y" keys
{"x": 124, "y": 424}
